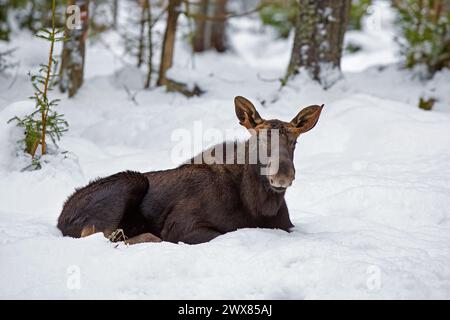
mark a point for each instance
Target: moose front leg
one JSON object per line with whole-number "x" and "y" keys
{"x": 184, "y": 223}
{"x": 189, "y": 230}
{"x": 279, "y": 221}
{"x": 200, "y": 235}
{"x": 283, "y": 219}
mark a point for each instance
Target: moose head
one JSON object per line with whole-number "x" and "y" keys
{"x": 279, "y": 177}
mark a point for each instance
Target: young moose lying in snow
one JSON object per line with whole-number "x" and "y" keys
{"x": 195, "y": 203}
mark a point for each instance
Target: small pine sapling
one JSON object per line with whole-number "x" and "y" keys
{"x": 44, "y": 121}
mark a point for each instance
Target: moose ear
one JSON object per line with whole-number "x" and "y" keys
{"x": 306, "y": 119}
{"x": 246, "y": 113}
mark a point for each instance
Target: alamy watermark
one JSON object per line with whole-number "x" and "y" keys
{"x": 75, "y": 17}
{"x": 261, "y": 148}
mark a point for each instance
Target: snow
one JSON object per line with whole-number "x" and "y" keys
{"x": 378, "y": 40}
{"x": 370, "y": 203}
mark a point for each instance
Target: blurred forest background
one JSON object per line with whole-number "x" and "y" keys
{"x": 145, "y": 85}
{"x": 317, "y": 27}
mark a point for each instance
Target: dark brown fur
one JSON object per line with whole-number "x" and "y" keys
{"x": 193, "y": 203}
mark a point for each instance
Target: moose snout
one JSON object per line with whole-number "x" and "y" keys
{"x": 282, "y": 177}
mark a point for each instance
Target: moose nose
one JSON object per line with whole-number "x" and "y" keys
{"x": 280, "y": 182}
{"x": 283, "y": 177}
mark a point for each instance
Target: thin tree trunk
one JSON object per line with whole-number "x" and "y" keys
{"x": 169, "y": 40}
{"x": 318, "y": 40}
{"x": 74, "y": 49}
{"x": 210, "y": 22}
{"x": 199, "y": 40}
{"x": 115, "y": 13}
{"x": 150, "y": 45}
{"x": 46, "y": 84}
{"x": 142, "y": 21}
{"x": 218, "y": 36}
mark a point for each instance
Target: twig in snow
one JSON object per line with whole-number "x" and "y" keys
{"x": 131, "y": 95}
{"x": 118, "y": 235}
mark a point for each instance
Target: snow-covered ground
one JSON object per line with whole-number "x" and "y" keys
{"x": 370, "y": 203}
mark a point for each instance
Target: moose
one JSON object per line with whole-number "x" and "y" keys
{"x": 195, "y": 202}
